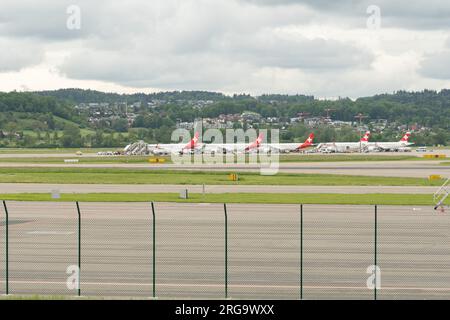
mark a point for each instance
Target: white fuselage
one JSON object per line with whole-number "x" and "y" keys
{"x": 389, "y": 145}
{"x": 342, "y": 146}
{"x": 223, "y": 147}
{"x": 280, "y": 147}
{"x": 166, "y": 149}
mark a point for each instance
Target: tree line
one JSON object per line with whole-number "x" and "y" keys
{"x": 50, "y": 119}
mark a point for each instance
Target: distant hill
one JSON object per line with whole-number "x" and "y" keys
{"x": 33, "y": 103}
{"x": 34, "y": 115}
{"x": 87, "y": 96}
{"x": 402, "y": 106}
{"x": 428, "y": 107}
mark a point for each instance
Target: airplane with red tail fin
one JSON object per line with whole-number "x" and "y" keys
{"x": 287, "y": 147}
{"x": 174, "y": 148}
{"x": 233, "y": 147}
{"x": 401, "y": 145}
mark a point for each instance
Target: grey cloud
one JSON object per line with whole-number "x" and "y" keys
{"x": 18, "y": 54}
{"x": 45, "y": 19}
{"x": 431, "y": 14}
{"x": 190, "y": 71}
{"x": 103, "y": 19}
{"x": 222, "y": 60}
{"x": 298, "y": 52}
{"x": 212, "y": 45}
{"x": 314, "y": 3}
{"x": 436, "y": 66}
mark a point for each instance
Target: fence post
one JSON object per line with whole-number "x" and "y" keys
{"x": 79, "y": 248}
{"x": 6, "y": 247}
{"x": 301, "y": 252}
{"x": 375, "y": 251}
{"x": 226, "y": 250}
{"x": 154, "y": 250}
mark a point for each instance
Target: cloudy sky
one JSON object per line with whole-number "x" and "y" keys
{"x": 319, "y": 47}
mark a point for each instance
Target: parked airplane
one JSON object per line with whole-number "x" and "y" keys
{"x": 232, "y": 147}
{"x": 401, "y": 145}
{"x": 173, "y": 148}
{"x": 257, "y": 146}
{"x": 286, "y": 147}
{"x": 332, "y": 147}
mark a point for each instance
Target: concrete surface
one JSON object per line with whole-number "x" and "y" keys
{"x": 413, "y": 250}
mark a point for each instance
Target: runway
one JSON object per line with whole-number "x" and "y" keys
{"x": 420, "y": 169}
{"x": 263, "y": 250}
{"x": 8, "y": 188}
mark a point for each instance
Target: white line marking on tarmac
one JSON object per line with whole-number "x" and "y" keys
{"x": 230, "y": 285}
{"x": 58, "y": 233}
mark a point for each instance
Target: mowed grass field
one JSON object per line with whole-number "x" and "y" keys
{"x": 256, "y": 198}
{"x": 145, "y": 176}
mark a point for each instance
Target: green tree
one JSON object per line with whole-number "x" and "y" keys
{"x": 120, "y": 125}
{"x": 71, "y": 136}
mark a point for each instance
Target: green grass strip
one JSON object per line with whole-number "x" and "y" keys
{"x": 146, "y": 176}
{"x": 285, "y": 198}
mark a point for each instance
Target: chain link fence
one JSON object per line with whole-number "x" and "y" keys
{"x": 215, "y": 251}
{"x": 414, "y": 253}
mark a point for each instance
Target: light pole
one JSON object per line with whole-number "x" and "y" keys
{"x": 328, "y": 111}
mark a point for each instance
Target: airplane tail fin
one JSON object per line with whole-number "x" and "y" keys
{"x": 260, "y": 138}
{"x": 308, "y": 142}
{"x": 196, "y": 137}
{"x": 194, "y": 141}
{"x": 406, "y": 137}
{"x": 366, "y": 137}
{"x": 256, "y": 143}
